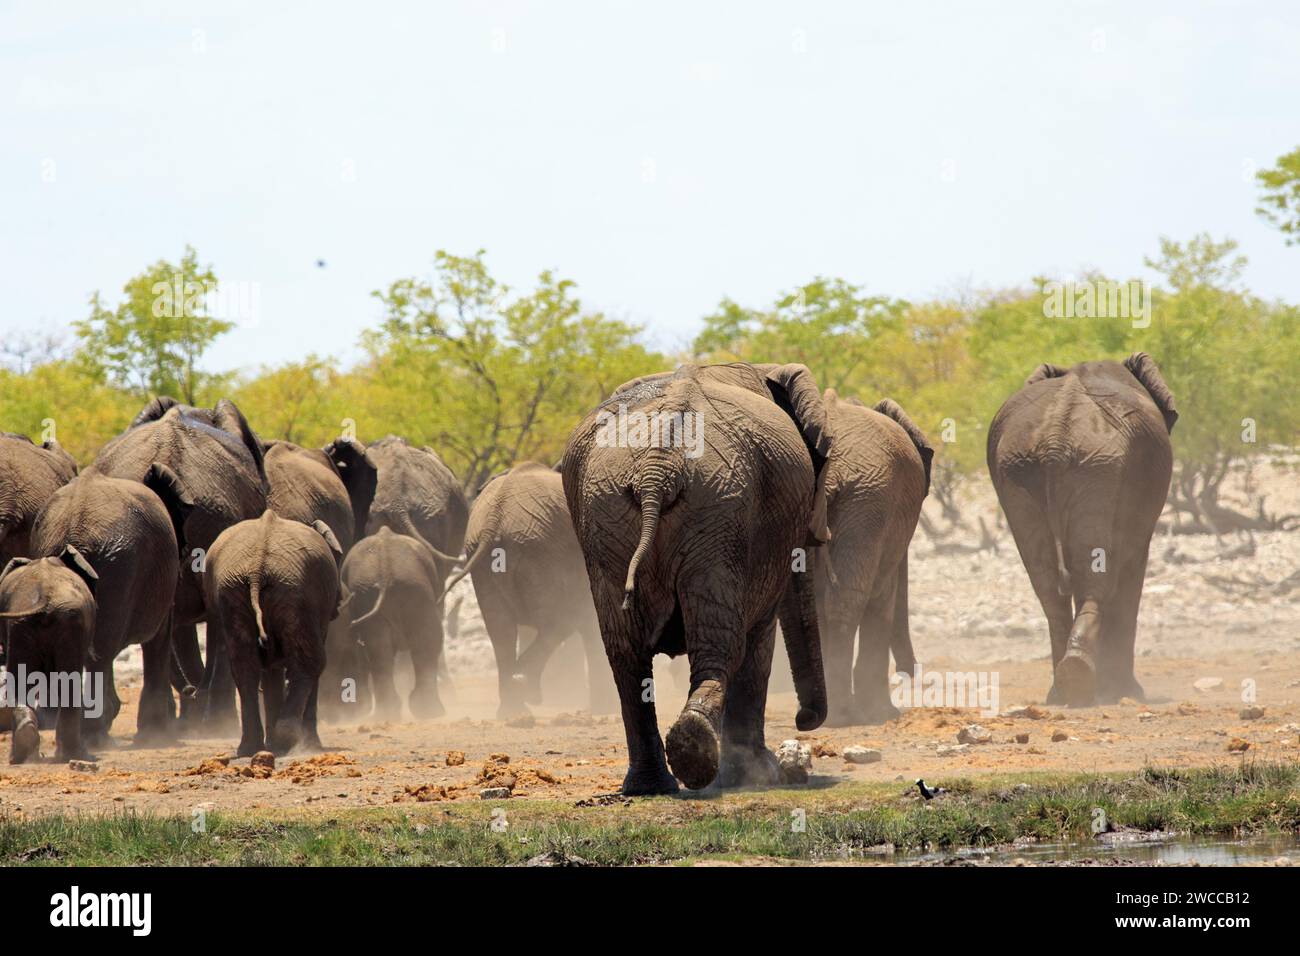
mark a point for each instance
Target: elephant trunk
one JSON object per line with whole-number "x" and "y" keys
{"x": 650, "y": 506}
{"x": 803, "y": 646}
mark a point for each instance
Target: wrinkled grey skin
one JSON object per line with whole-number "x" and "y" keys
{"x": 47, "y": 617}
{"x": 396, "y": 586}
{"x": 273, "y": 586}
{"x": 29, "y": 475}
{"x": 218, "y": 461}
{"x": 695, "y": 555}
{"x": 876, "y": 479}
{"x": 417, "y": 495}
{"x": 1081, "y": 461}
{"x": 335, "y": 484}
{"x": 127, "y": 531}
{"x": 528, "y": 571}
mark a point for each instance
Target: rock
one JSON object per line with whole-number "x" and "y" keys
{"x": 455, "y": 758}
{"x": 1030, "y": 712}
{"x": 820, "y": 749}
{"x": 948, "y": 749}
{"x": 862, "y": 755}
{"x": 1207, "y": 684}
{"x": 557, "y": 858}
{"x": 793, "y": 761}
{"x": 495, "y": 793}
{"x": 1238, "y": 746}
{"x": 1022, "y": 738}
{"x": 1059, "y": 735}
{"x": 83, "y": 766}
{"x": 1146, "y": 715}
{"x": 974, "y": 734}
{"x": 1251, "y": 713}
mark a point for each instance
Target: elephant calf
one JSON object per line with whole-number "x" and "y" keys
{"x": 396, "y": 585}
{"x": 1081, "y": 462}
{"x": 47, "y": 618}
{"x": 273, "y": 585}
{"x": 877, "y": 476}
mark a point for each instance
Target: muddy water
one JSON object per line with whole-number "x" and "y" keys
{"x": 1122, "y": 850}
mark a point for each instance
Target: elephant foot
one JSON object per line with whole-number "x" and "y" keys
{"x": 249, "y": 748}
{"x": 508, "y": 710}
{"x": 311, "y": 743}
{"x": 62, "y": 754}
{"x": 425, "y": 706}
{"x": 879, "y": 711}
{"x": 692, "y": 748}
{"x": 649, "y": 783}
{"x": 748, "y": 767}
{"x": 148, "y": 736}
{"x": 529, "y": 688}
{"x": 26, "y": 742}
{"x": 1075, "y": 680}
{"x": 840, "y": 717}
{"x": 285, "y": 736}
{"x": 1111, "y": 690}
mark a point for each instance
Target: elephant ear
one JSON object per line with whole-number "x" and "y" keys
{"x": 76, "y": 562}
{"x": 13, "y": 565}
{"x": 360, "y": 475}
{"x": 166, "y": 484}
{"x": 1046, "y": 370}
{"x": 795, "y": 390}
{"x": 155, "y": 410}
{"x": 1146, "y": 371}
{"x": 324, "y": 531}
{"x": 891, "y": 409}
{"x": 55, "y": 448}
{"x": 230, "y": 419}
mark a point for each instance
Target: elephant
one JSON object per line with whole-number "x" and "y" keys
{"x": 877, "y": 476}
{"x": 47, "y": 618}
{"x": 1081, "y": 460}
{"x": 127, "y": 530}
{"x": 535, "y": 577}
{"x": 692, "y": 495}
{"x": 417, "y": 495}
{"x": 29, "y": 474}
{"x": 218, "y": 461}
{"x": 334, "y": 484}
{"x": 396, "y": 587}
{"x": 273, "y": 585}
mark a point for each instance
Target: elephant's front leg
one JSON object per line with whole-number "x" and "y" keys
{"x": 840, "y": 611}
{"x": 99, "y": 677}
{"x": 531, "y": 663}
{"x": 426, "y": 651}
{"x": 600, "y": 680}
{"x": 156, "y": 719}
{"x": 746, "y": 761}
{"x": 219, "y": 710}
{"x": 871, "y": 699}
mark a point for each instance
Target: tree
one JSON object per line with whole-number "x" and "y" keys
{"x": 152, "y": 341}
{"x": 1280, "y": 202}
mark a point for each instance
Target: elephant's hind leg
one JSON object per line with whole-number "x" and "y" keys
{"x": 156, "y": 720}
{"x": 647, "y": 771}
{"x": 1115, "y": 677}
{"x": 426, "y": 651}
{"x": 871, "y": 701}
{"x": 746, "y": 760}
{"x": 503, "y": 632}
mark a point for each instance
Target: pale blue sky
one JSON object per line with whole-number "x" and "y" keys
{"x": 662, "y": 155}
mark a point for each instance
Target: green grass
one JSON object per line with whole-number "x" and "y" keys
{"x": 841, "y": 821}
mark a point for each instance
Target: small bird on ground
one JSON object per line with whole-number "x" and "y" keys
{"x": 926, "y": 792}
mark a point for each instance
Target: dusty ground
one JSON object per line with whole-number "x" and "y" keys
{"x": 972, "y": 612}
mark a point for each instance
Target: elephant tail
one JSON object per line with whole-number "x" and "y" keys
{"x": 803, "y": 645}
{"x": 379, "y": 602}
{"x": 189, "y": 690}
{"x": 460, "y": 575}
{"x": 255, "y": 598}
{"x": 651, "y": 502}
{"x": 406, "y": 526}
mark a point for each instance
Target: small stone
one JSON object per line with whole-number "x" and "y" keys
{"x": 1146, "y": 715}
{"x": 949, "y": 749}
{"x": 1022, "y": 738}
{"x": 974, "y": 734}
{"x": 1059, "y": 735}
{"x": 494, "y": 793}
{"x": 1238, "y": 746}
{"x": 1030, "y": 712}
{"x": 455, "y": 758}
{"x": 1207, "y": 684}
{"x": 1251, "y": 713}
{"x": 862, "y": 755}
{"x": 793, "y": 761}
{"x": 83, "y": 766}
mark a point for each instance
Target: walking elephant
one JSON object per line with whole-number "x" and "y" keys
{"x": 273, "y": 585}
{"x": 29, "y": 474}
{"x": 334, "y": 484}
{"x": 1081, "y": 461}
{"x": 877, "y": 476}
{"x": 692, "y": 494}
{"x": 217, "y": 460}
{"x": 127, "y": 530}
{"x": 47, "y": 617}
{"x": 528, "y": 571}
{"x": 417, "y": 495}
{"x": 396, "y": 605}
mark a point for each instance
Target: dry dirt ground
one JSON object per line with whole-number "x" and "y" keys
{"x": 970, "y": 612}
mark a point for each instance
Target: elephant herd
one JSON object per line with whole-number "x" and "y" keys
{"x": 692, "y": 512}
